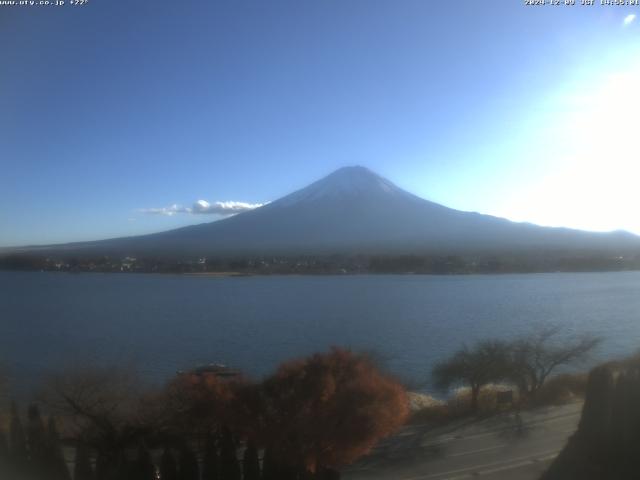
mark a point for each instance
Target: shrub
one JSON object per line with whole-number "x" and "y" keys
{"x": 460, "y": 403}
{"x": 562, "y": 389}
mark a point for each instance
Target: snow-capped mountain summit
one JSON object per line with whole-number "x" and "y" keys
{"x": 343, "y": 183}
{"x": 354, "y": 210}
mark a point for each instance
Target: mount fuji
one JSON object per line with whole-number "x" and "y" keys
{"x": 353, "y": 210}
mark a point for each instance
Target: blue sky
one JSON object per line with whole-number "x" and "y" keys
{"x": 115, "y": 110}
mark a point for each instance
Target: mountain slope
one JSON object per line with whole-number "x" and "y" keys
{"x": 353, "y": 210}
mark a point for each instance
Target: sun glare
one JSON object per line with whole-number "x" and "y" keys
{"x": 593, "y": 150}
{"x": 604, "y": 138}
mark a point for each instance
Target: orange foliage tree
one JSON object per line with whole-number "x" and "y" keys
{"x": 327, "y": 410}
{"x": 201, "y": 402}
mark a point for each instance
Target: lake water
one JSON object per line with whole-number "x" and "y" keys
{"x": 163, "y": 323}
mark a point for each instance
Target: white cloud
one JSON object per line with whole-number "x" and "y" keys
{"x": 629, "y": 19}
{"x": 167, "y": 211}
{"x": 223, "y": 208}
{"x": 202, "y": 207}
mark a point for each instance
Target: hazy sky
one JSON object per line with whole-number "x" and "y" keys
{"x": 116, "y": 114}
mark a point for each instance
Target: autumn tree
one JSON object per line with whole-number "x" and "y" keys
{"x": 533, "y": 358}
{"x": 199, "y": 402}
{"x": 329, "y": 409}
{"x": 474, "y": 367}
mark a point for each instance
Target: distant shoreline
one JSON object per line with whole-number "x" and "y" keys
{"x": 338, "y": 264}
{"x": 216, "y": 274}
{"x": 318, "y": 274}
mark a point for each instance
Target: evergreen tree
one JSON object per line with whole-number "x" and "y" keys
{"x": 37, "y": 441}
{"x": 4, "y": 453}
{"x": 82, "y": 466}
{"x": 17, "y": 442}
{"x": 229, "y": 466}
{"x": 305, "y": 474}
{"x": 251, "y": 463}
{"x": 4, "y": 446}
{"x": 57, "y": 464}
{"x": 188, "y": 464}
{"x": 274, "y": 469}
{"x": 269, "y": 466}
{"x": 104, "y": 466}
{"x": 287, "y": 472}
{"x": 168, "y": 466}
{"x": 111, "y": 465}
{"x": 142, "y": 468}
{"x": 328, "y": 474}
{"x": 211, "y": 461}
{"x": 128, "y": 470}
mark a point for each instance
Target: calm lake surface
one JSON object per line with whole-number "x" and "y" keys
{"x": 163, "y": 323}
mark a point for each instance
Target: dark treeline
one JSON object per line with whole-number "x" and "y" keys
{"x": 513, "y": 263}
{"x": 334, "y": 264}
{"x": 306, "y": 421}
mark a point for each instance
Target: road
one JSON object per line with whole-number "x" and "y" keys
{"x": 496, "y": 448}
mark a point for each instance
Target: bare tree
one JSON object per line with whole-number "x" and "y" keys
{"x": 99, "y": 397}
{"x": 104, "y": 409}
{"x": 535, "y": 357}
{"x": 486, "y": 362}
